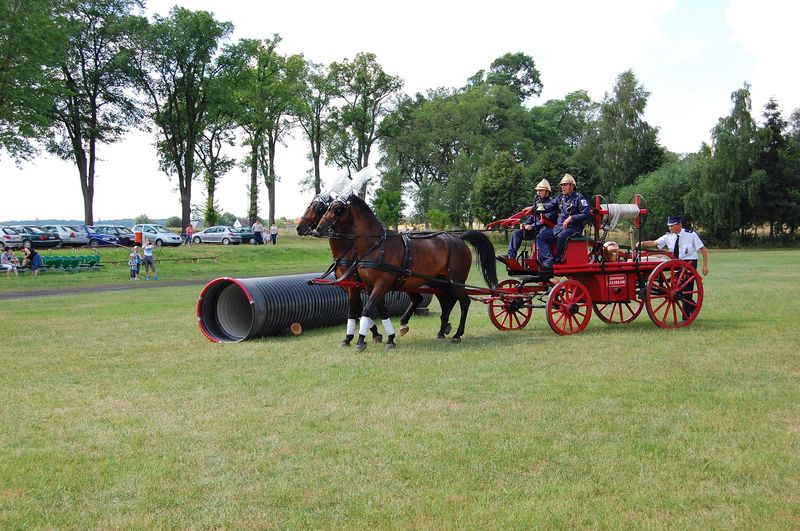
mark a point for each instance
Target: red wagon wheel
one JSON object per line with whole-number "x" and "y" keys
{"x": 509, "y": 313}
{"x": 672, "y": 285}
{"x": 618, "y": 312}
{"x": 569, "y": 307}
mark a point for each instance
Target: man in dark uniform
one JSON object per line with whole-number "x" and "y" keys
{"x": 537, "y": 219}
{"x": 573, "y": 211}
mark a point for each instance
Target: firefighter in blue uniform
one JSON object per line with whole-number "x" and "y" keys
{"x": 536, "y": 221}
{"x": 573, "y": 211}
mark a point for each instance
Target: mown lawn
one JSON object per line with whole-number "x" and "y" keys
{"x": 116, "y": 412}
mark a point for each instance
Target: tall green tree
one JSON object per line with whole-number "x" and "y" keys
{"x": 249, "y": 66}
{"x": 174, "y": 63}
{"x": 498, "y": 189}
{"x": 365, "y": 93}
{"x": 622, "y": 145}
{"x": 218, "y": 135}
{"x": 772, "y": 200}
{"x": 267, "y": 88}
{"x": 728, "y": 182}
{"x": 789, "y": 210}
{"x": 95, "y": 105}
{"x": 313, "y": 114}
{"x": 518, "y": 72}
{"x": 33, "y": 40}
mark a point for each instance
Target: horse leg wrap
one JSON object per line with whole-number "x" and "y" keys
{"x": 351, "y": 327}
{"x": 365, "y": 325}
{"x": 387, "y": 325}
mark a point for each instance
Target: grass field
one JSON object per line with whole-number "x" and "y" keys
{"x": 116, "y": 412}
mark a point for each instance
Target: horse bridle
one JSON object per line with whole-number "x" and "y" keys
{"x": 317, "y": 202}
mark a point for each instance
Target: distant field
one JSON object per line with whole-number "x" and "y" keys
{"x": 116, "y": 412}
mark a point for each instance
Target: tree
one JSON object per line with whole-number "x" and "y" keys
{"x": 173, "y": 60}
{"x": 518, "y": 72}
{"x": 388, "y": 206}
{"x": 33, "y": 38}
{"x": 499, "y": 189}
{"x": 622, "y": 145}
{"x": 266, "y": 88}
{"x": 772, "y": 199}
{"x": 728, "y": 182}
{"x": 95, "y": 105}
{"x": 218, "y": 133}
{"x": 313, "y": 114}
{"x": 364, "y": 90}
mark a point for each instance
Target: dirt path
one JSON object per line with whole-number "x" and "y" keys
{"x": 71, "y": 290}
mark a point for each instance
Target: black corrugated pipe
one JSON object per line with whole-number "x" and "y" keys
{"x": 231, "y": 310}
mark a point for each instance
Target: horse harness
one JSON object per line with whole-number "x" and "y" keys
{"x": 403, "y": 271}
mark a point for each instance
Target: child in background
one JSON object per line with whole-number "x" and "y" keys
{"x": 138, "y": 260}
{"x": 133, "y": 265}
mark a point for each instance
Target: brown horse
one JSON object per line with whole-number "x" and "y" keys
{"x": 344, "y": 255}
{"x": 389, "y": 261}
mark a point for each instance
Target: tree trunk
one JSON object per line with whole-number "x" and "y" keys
{"x": 271, "y": 181}
{"x": 317, "y": 178}
{"x": 252, "y": 211}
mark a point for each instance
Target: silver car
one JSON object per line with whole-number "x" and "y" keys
{"x": 223, "y": 234}
{"x": 69, "y": 234}
{"x": 10, "y": 238}
{"x": 158, "y": 234}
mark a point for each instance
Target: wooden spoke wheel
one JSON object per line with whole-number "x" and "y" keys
{"x": 618, "y": 312}
{"x": 674, "y": 294}
{"x": 569, "y": 307}
{"x": 510, "y": 312}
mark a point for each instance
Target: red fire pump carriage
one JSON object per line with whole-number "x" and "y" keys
{"x": 597, "y": 276}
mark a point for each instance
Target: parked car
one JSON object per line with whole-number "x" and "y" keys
{"x": 97, "y": 239}
{"x": 123, "y": 234}
{"x": 10, "y": 237}
{"x": 37, "y": 237}
{"x": 158, "y": 234}
{"x": 224, "y": 234}
{"x": 247, "y": 235}
{"x": 69, "y": 234}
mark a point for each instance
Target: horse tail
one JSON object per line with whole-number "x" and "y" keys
{"x": 485, "y": 250}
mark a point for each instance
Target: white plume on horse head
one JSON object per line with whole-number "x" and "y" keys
{"x": 360, "y": 179}
{"x": 340, "y": 182}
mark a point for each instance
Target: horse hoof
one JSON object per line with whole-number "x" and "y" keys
{"x": 390, "y": 346}
{"x": 360, "y": 347}
{"x": 377, "y": 338}
{"x": 447, "y": 329}
{"x": 440, "y": 336}
{"x": 455, "y": 340}
{"x": 404, "y": 330}
{"x": 345, "y": 343}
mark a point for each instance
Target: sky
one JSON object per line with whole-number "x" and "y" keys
{"x": 689, "y": 54}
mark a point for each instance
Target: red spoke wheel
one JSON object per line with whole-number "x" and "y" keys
{"x": 569, "y": 307}
{"x": 674, "y": 294}
{"x": 510, "y": 312}
{"x": 618, "y": 312}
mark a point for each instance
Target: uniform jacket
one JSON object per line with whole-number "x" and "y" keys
{"x": 574, "y": 205}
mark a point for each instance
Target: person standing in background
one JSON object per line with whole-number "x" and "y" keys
{"x": 258, "y": 232}
{"x": 273, "y": 234}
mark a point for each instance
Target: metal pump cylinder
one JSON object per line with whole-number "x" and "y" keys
{"x": 231, "y": 310}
